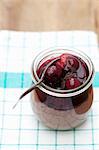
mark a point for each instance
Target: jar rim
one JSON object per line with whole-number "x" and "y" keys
{"x": 57, "y": 92}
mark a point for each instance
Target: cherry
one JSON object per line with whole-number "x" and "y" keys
{"x": 53, "y": 75}
{"x": 59, "y": 64}
{"x": 72, "y": 83}
{"x": 42, "y": 67}
{"x": 68, "y": 62}
{"x": 63, "y": 58}
{"x": 72, "y": 62}
{"x": 53, "y": 71}
{"x": 62, "y": 61}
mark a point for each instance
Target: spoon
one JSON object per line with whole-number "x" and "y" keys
{"x": 38, "y": 83}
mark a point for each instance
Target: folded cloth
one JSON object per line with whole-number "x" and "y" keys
{"x": 19, "y": 129}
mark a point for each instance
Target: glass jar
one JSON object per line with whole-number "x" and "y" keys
{"x": 62, "y": 109}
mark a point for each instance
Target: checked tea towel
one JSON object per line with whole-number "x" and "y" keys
{"x": 19, "y": 129}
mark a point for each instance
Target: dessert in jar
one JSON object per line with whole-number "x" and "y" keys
{"x": 62, "y": 101}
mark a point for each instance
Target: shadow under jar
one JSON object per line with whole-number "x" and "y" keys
{"x": 62, "y": 109}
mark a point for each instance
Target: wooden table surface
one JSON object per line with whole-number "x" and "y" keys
{"x": 49, "y": 15}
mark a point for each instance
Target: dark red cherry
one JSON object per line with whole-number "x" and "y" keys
{"x": 63, "y": 59}
{"x": 53, "y": 76}
{"x": 72, "y": 83}
{"x": 54, "y": 71}
{"x": 59, "y": 64}
{"x": 72, "y": 62}
{"x": 42, "y": 67}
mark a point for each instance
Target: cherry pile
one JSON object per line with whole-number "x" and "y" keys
{"x": 67, "y": 73}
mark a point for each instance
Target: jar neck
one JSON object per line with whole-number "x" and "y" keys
{"x": 42, "y": 57}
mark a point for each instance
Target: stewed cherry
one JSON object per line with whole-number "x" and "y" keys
{"x": 69, "y": 72}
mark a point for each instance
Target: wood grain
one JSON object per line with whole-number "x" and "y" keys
{"x": 49, "y": 15}
{"x": 96, "y": 11}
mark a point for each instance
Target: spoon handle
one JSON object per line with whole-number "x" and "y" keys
{"x": 38, "y": 83}
{"x": 30, "y": 89}
{"x": 27, "y": 91}
{"x": 42, "y": 77}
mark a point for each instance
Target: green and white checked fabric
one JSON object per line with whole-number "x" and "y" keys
{"x": 19, "y": 129}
